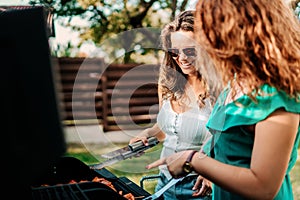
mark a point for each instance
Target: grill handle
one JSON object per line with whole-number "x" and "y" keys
{"x": 137, "y": 146}
{"x": 147, "y": 178}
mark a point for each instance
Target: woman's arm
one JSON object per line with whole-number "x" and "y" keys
{"x": 274, "y": 139}
{"x": 153, "y": 131}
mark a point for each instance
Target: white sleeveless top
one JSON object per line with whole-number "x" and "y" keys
{"x": 184, "y": 131}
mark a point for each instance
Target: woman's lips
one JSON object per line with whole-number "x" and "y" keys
{"x": 185, "y": 65}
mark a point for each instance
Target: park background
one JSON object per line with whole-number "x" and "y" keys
{"x": 82, "y": 28}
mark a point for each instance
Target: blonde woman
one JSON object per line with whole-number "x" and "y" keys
{"x": 184, "y": 106}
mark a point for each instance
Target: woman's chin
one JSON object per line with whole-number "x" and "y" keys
{"x": 188, "y": 69}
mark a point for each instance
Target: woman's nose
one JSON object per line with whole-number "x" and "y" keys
{"x": 182, "y": 56}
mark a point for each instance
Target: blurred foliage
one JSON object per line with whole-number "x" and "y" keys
{"x": 109, "y": 25}
{"x": 107, "y": 18}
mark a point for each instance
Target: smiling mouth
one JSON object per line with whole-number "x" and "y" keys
{"x": 186, "y": 65}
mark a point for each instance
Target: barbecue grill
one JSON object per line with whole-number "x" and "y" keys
{"x": 72, "y": 179}
{"x": 34, "y": 168}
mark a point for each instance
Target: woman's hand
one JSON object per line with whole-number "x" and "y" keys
{"x": 202, "y": 187}
{"x": 144, "y": 139}
{"x": 174, "y": 163}
{"x": 149, "y": 132}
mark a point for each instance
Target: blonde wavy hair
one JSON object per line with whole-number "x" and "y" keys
{"x": 251, "y": 41}
{"x": 172, "y": 80}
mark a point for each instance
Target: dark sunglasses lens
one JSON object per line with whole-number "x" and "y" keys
{"x": 189, "y": 52}
{"x": 173, "y": 52}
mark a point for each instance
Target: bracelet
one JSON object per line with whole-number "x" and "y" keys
{"x": 189, "y": 159}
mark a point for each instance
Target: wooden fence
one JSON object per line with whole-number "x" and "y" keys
{"x": 117, "y": 96}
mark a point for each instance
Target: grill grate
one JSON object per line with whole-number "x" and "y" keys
{"x": 77, "y": 191}
{"x": 71, "y": 179}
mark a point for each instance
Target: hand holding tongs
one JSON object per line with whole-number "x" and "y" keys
{"x": 129, "y": 151}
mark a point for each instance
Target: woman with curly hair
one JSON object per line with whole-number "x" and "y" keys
{"x": 255, "y": 48}
{"x": 185, "y": 106}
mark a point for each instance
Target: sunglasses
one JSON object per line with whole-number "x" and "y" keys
{"x": 189, "y": 52}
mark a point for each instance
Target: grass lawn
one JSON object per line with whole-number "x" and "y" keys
{"x": 134, "y": 169}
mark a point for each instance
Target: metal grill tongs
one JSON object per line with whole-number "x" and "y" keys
{"x": 124, "y": 153}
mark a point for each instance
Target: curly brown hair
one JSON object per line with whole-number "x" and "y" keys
{"x": 251, "y": 41}
{"x": 172, "y": 80}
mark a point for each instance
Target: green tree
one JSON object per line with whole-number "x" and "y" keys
{"x": 108, "y": 18}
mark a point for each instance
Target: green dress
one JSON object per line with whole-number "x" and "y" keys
{"x": 233, "y": 144}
